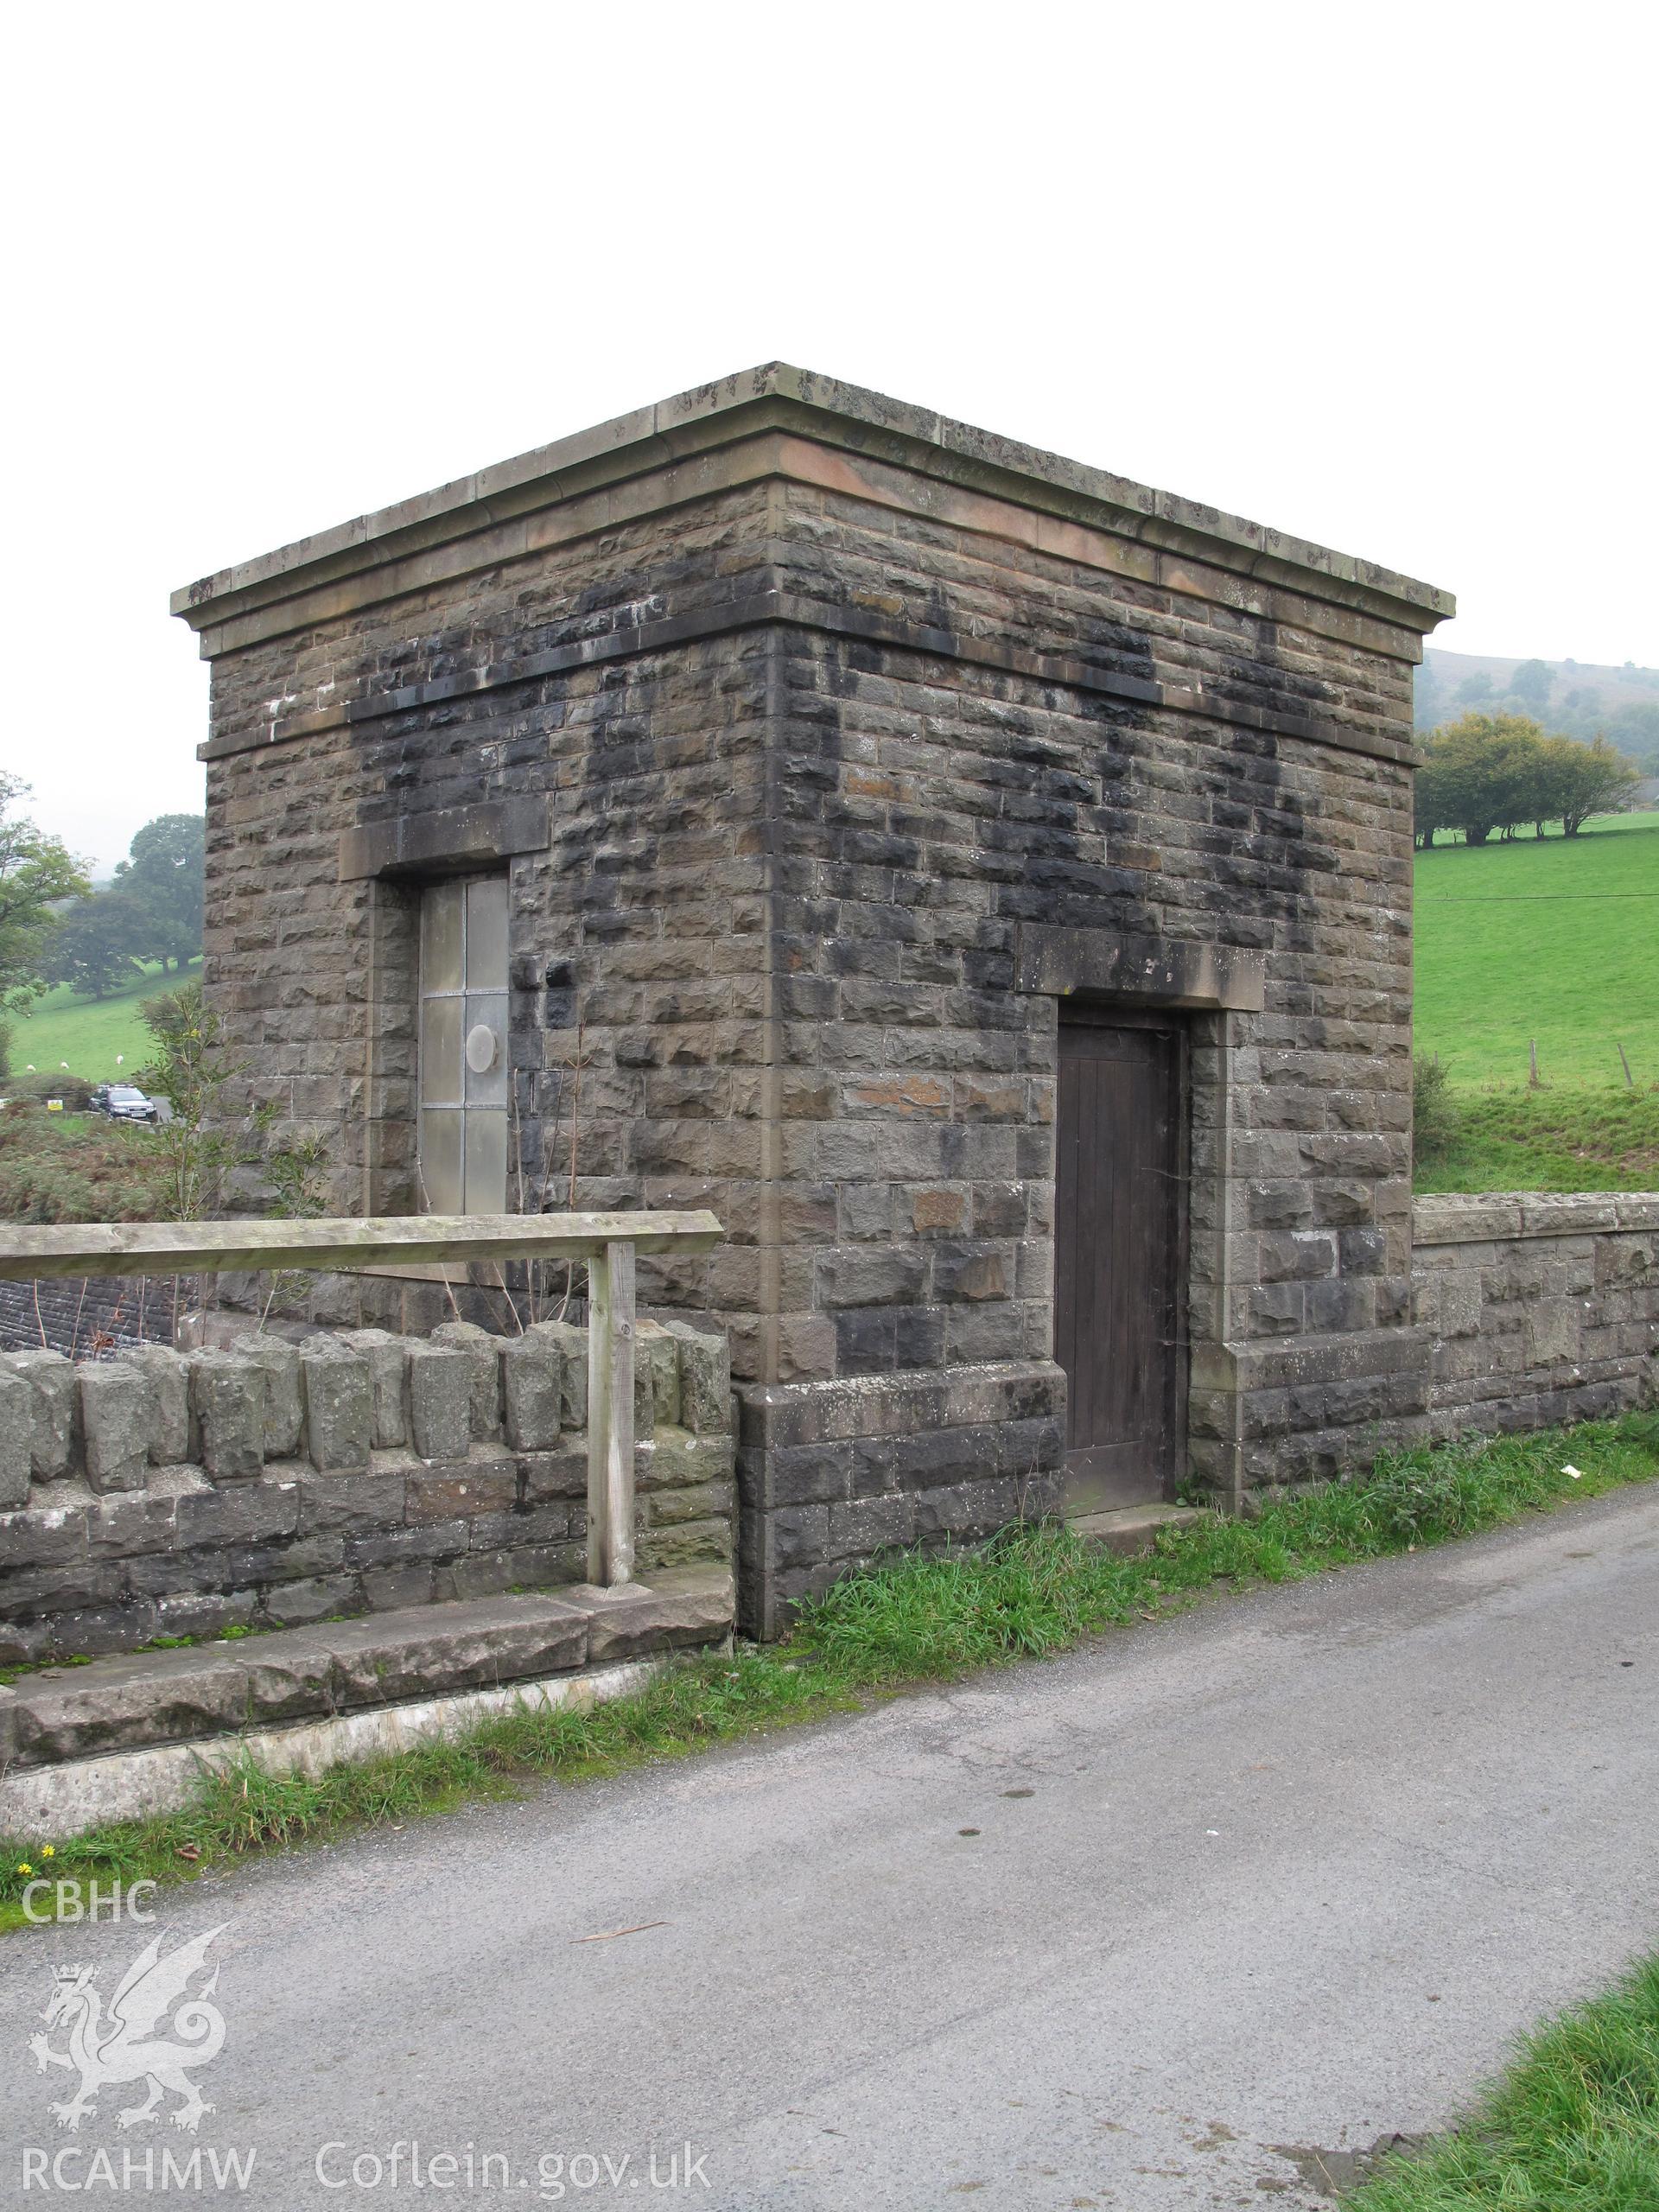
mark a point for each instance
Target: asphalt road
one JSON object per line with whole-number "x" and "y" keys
{"x": 1161, "y": 1923}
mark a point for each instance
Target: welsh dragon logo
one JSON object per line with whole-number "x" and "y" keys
{"x": 109, "y": 2052}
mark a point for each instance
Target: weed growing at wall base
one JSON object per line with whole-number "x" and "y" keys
{"x": 1035, "y": 1589}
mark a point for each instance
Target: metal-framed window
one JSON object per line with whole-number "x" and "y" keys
{"x": 463, "y": 1045}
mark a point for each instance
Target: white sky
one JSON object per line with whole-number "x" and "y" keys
{"x": 1380, "y": 277}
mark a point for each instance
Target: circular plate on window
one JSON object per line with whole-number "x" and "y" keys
{"x": 483, "y": 1046}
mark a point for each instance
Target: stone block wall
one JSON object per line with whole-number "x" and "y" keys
{"x": 828, "y": 746}
{"x": 618, "y": 789}
{"x": 1539, "y": 1309}
{"x": 268, "y": 1484}
{"x": 853, "y": 1468}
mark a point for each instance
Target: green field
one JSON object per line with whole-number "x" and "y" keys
{"x": 89, "y": 1033}
{"x": 1556, "y": 944}
{"x": 1556, "y": 941}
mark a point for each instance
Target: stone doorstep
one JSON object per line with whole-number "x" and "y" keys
{"x": 1132, "y": 1529}
{"x": 144, "y": 1698}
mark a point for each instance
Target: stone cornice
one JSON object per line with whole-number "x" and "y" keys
{"x": 779, "y": 397}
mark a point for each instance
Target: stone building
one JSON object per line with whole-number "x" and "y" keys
{"x": 982, "y": 880}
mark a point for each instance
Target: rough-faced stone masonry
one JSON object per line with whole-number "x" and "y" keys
{"x": 1541, "y": 1308}
{"x": 267, "y": 1484}
{"x": 829, "y": 746}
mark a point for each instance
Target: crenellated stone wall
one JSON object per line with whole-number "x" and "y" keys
{"x": 266, "y": 1484}
{"x": 1539, "y": 1308}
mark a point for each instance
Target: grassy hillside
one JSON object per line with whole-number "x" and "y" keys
{"x": 1557, "y": 941}
{"x": 1549, "y": 1139}
{"x": 1615, "y": 688}
{"x": 88, "y": 1033}
{"x": 1583, "y": 698}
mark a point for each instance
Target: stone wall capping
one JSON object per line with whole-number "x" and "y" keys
{"x": 1489, "y": 1217}
{"x": 227, "y": 1398}
{"x": 16, "y": 1440}
{"x": 117, "y": 1421}
{"x": 173, "y": 1440}
{"x": 1549, "y": 1213}
{"x": 55, "y": 1443}
{"x": 1466, "y": 1220}
{"x": 388, "y": 1358}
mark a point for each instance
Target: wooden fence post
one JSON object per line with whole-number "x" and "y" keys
{"x": 610, "y": 1417}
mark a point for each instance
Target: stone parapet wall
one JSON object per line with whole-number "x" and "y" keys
{"x": 268, "y": 1484}
{"x": 1539, "y": 1308}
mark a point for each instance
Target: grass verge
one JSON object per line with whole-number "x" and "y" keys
{"x": 1601, "y": 1139}
{"x": 1035, "y": 1589}
{"x": 1574, "y": 2122}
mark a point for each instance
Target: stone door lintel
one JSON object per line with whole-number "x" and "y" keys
{"x": 439, "y": 839}
{"x": 1152, "y": 971}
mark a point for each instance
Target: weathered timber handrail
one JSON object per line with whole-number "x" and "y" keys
{"x": 191, "y": 1247}
{"x": 608, "y": 1242}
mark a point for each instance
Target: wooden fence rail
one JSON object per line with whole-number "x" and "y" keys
{"x": 607, "y": 1242}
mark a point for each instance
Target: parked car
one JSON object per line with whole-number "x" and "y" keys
{"x": 123, "y": 1103}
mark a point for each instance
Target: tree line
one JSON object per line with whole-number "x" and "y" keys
{"x": 151, "y": 914}
{"x": 1491, "y": 775}
{"x": 56, "y": 928}
{"x": 1574, "y": 707}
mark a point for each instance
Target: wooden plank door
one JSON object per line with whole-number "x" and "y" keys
{"x": 1120, "y": 1255}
